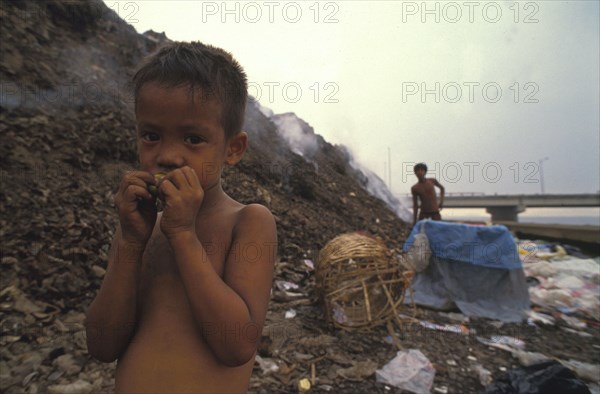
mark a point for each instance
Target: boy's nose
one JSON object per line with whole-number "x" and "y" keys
{"x": 170, "y": 159}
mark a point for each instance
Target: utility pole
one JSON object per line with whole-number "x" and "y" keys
{"x": 540, "y": 164}
{"x": 385, "y": 175}
{"x": 390, "y": 168}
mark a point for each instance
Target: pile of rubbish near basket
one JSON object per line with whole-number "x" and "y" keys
{"x": 481, "y": 270}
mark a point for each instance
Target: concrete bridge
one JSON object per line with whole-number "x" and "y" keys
{"x": 508, "y": 207}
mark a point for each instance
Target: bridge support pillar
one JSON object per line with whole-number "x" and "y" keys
{"x": 507, "y": 213}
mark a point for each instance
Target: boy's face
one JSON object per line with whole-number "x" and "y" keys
{"x": 420, "y": 173}
{"x": 175, "y": 131}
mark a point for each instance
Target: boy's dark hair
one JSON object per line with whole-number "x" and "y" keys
{"x": 202, "y": 67}
{"x": 420, "y": 166}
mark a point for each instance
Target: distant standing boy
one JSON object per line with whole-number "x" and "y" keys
{"x": 425, "y": 192}
{"x": 185, "y": 295}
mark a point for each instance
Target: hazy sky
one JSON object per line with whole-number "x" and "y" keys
{"x": 480, "y": 91}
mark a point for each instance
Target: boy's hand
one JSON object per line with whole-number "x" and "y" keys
{"x": 182, "y": 195}
{"x": 136, "y": 206}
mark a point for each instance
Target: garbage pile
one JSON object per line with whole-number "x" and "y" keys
{"x": 562, "y": 279}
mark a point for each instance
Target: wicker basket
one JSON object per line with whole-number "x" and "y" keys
{"x": 359, "y": 282}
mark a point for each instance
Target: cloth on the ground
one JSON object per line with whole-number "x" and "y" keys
{"x": 488, "y": 246}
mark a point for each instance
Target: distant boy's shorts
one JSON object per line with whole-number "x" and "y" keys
{"x": 430, "y": 215}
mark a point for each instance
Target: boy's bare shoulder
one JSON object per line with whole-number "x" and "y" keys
{"x": 254, "y": 216}
{"x": 416, "y": 188}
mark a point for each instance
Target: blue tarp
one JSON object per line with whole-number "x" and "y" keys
{"x": 487, "y": 246}
{"x": 474, "y": 268}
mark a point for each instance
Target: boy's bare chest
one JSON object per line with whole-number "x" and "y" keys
{"x": 159, "y": 262}
{"x": 424, "y": 188}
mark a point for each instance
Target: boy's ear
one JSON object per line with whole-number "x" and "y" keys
{"x": 236, "y": 146}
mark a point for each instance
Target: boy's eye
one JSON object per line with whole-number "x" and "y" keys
{"x": 150, "y": 137}
{"x": 193, "y": 139}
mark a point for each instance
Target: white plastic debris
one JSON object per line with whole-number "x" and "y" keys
{"x": 410, "y": 370}
{"x": 290, "y": 314}
{"x": 540, "y": 317}
{"x": 484, "y": 375}
{"x": 284, "y": 285}
{"x": 309, "y": 264}
{"x": 583, "y": 370}
{"x": 267, "y": 365}
{"x": 510, "y": 341}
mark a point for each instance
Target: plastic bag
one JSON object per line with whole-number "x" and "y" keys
{"x": 548, "y": 378}
{"x": 410, "y": 370}
{"x": 484, "y": 375}
{"x": 419, "y": 252}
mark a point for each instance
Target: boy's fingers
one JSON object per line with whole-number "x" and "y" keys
{"x": 138, "y": 178}
{"x": 191, "y": 176}
{"x": 142, "y": 175}
{"x": 179, "y": 178}
{"x": 135, "y": 192}
{"x": 166, "y": 187}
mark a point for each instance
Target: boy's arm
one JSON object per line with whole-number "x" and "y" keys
{"x": 442, "y": 190}
{"x": 230, "y": 312}
{"x": 110, "y": 319}
{"x": 415, "y": 206}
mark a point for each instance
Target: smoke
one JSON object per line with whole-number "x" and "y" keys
{"x": 377, "y": 188}
{"x": 297, "y": 133}
{"x": 303, "y": 141}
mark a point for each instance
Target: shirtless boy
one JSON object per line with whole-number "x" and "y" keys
{"x": 185, "y": 295}
{"x": 425, "y": 192}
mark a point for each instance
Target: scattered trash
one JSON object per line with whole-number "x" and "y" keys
{"x": 359, "y": 371}
{"x": 543, "y": 268}
{"x": 290, "y": 313}
{"x": 585, "y": 371}
{"x": 569, "y": 283}
{"x": 442, "y": 389}
{"x": 510, "y": 341}
{"x": 455, "y": 316}
{"x": 560, "y": 252}
{"x": 471, "y": 358}
{"x": 540, "y": 317}
{"x": 303, "y": 385}
{"x": 497, "y": 323}
{"x": 573, "y": 321}
{"x": 410, "y": 370}
{"x": 309, "y": 264}
{"x": 580, "y": 333}
{"x": 267, "y": 365}
{"x": 484, "y": 375}
{"x": 546, "y": 377}
{"x": 529, "y": 358}
{"x": 451, "y": 363}
{"x": 456, "y": 328}
{"x": 285, "y": 285}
